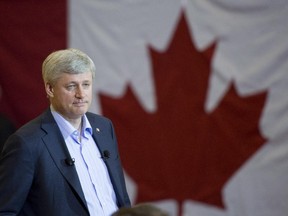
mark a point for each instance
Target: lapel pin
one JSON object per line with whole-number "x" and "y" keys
{"x": 97, "y": 129}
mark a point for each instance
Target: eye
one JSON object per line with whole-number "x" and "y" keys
{"x": 70, "y": 87}
{"x": 86, "y": 85}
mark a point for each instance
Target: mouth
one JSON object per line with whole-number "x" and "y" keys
{"x": 80, "y": 103}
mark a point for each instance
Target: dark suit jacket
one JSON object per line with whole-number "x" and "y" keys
{"x": 34, "y": 178}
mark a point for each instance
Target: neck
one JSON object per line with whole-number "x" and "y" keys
{"x": 76, "y": 123}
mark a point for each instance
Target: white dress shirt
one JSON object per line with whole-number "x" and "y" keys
{"x": 91, "y": 169}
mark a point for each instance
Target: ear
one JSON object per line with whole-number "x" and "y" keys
{"x": 49, "y": 90}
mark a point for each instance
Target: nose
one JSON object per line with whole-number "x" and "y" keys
{"x": 79, "y": 92}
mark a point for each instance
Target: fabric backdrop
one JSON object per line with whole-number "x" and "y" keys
{"x": 197, "y": 91}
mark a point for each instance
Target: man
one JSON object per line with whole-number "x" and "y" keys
{"x": 65, "y": 162}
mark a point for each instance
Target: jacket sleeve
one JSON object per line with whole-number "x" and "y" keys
{"x": 16, "y": 175}
{"x": 123, "y": 198}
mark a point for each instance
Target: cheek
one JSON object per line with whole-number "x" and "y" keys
{"x": 89, "y": 94}
{"x": 64, "y": 98}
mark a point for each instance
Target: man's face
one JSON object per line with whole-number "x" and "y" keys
{"x": 71, "y": 95}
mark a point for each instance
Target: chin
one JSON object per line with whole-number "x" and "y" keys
{"x": 79, "y": 112}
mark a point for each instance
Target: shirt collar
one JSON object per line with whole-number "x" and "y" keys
{"x": 86, "y": 126}
{"x": 67, "y": 129}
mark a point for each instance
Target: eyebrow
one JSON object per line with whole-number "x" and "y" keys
{"x": 75, "y": 82}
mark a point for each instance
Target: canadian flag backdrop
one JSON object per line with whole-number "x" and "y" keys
{"x": 197, "y": 91}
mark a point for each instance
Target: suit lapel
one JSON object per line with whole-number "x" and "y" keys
{"x": 59, "y": 152}
{"x": 99, "y": 136}
{"x": 104, "y": 141}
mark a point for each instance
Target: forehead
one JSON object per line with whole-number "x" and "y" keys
{"x": 66, "y": 77}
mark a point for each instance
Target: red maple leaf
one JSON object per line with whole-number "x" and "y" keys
{"x": 182, "y": 152}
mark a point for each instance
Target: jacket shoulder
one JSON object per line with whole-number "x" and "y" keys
{"x": 97, "y": 118}
{"x": 33, "y": 129}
